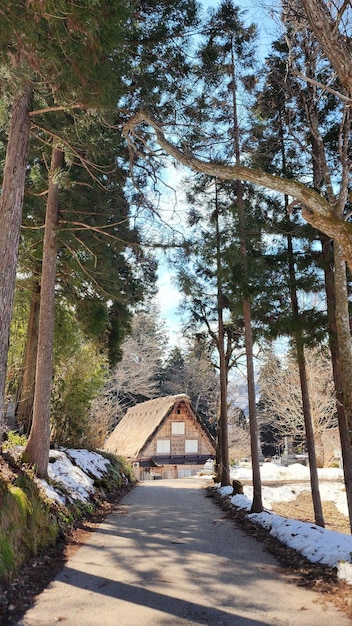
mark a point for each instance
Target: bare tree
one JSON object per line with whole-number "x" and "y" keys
{"x": 136, "y": 378}
{"x": 195, "y": 375}
{"x": 282, "y": 400}
{"x": 239, "y": 436}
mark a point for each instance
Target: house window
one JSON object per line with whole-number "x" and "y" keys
{"x": 191, "y": 446}
{"x": 163, "y": 446}
{"x": 177, "y": 428}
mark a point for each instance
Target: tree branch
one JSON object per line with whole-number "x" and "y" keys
{"x": 315, "y": 208}
{"x": 338, "y": 94}
{"x": 336, "y": 47}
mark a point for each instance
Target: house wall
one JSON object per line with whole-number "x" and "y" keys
{"x": 167, "y": 472}
{"x": 180, "y": 413}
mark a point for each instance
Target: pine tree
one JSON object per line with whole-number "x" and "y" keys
{"x": 229, "y": 45}
{"x": 315, "y": 124}
{"x": 35, "y": 71}
{"x": 191, "y": 371}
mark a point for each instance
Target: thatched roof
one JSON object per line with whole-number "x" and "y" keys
{"x": 140, "y": 424}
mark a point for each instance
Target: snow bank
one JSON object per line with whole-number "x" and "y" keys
{"x": 74, "y": 477}
{"x": 90, "y": 462}
{"x": 271, "y": 472}
{"x": 316, "y": 544}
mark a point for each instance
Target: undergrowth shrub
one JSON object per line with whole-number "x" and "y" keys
{"x": 13, "y": 439}
{"x": 119, "y": 472}
{"x": 77, "y": 383}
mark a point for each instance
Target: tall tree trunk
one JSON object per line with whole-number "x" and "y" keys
{"x": 346, "y": 448}
{"x": 10, "y": 219}
{"x": 37, "y": 450}
{"x": 314, "y": 481}
{"x": 335, "y": 285}
{"x": 224, "y": 439}
{"x": 224, "y": 470}
{"x": 343, "y": 330}
{"x": 308, "y": 422}
{"x": 298, "y": 338}
{"x": 257, "y": 504}
{"x": 26, "y": 385}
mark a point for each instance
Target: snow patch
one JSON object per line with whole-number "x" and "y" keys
{"x": 74, "y": 480}
{"x": 90, "y": 462}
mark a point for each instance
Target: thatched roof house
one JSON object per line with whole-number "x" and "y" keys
{"x": 162, "y": 438}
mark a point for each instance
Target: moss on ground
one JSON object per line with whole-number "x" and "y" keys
{"x": 26, "y": 523}
{"x": 30, "y": 522}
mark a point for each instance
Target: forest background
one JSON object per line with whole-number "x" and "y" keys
{"x": 94, "y": 98}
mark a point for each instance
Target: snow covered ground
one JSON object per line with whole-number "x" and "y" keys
{"x": 315, "y": 543}
{"x": 75, "y": 470}
{"x": 331, "y": 483}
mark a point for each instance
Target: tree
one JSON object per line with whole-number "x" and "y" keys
{"x": 10, "y": 217}
{"x": 239, "y": 442}
{"x": 316, "y": 210}
{"x": 331, "y": 25}
{"x": 229, "y": 46}
{"x": 323, "y": 218}
{"x": 137, "y": 376}
{"x": 37, "y": 448}
{"x": 77, "y": 384}
{"x": 46, "y": 31}
{"x": 281, "y": 399}
{"x": 101, "y": 267}
{"x": 191, "y": 371}
{"x": 109, "y": 88}
{"x": 328, "y": 122}
{"x": 206, "y": 287}
{"x": 282, "y": 133}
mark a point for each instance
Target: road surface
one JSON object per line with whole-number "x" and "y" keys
{"x": 169, "y": 557}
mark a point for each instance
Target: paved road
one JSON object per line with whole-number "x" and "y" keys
{"x": 169, "y": 557}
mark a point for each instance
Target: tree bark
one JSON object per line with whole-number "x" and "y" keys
{"x": 335, "y": 282}
{"x": 37, "y": 450}
{"x": 10, "y": 220}
{"x": 257, "y": 503}
{"x": 26, "y": 385}
{"x": 343, "y": 330}
{"x": 224, "y": 469}
{"x": 224, "y": 440}
{"x": 346, "y": 447}
{"x": 337, "y": 48}
{"x": 314, "y": 481}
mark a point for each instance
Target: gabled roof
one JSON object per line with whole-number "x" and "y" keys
{"x": 141, "y": 422}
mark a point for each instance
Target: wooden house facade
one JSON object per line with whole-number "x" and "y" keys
{"x": 162, "y": 438}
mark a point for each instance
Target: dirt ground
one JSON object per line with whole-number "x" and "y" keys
{"x": 302, "y": 509}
